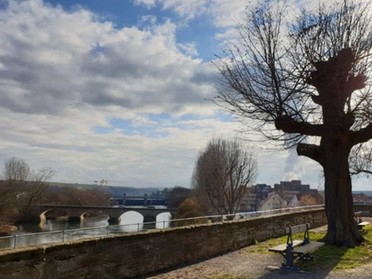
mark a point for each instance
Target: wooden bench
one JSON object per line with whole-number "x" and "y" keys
{"x": 296, "y": 249}
{"x": 361, "y": 225}
{"x": 358, "y": 216}
{"x": 359, "y": 221}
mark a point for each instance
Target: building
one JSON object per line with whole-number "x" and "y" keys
{"x": 361, "y": 198}
{"x": 273, "y": 201}
{"x": 291, "y": 192}
{"x": 253, "y": 197}
{"x": 288, "y": 189}
{"x": 294, "y": 202}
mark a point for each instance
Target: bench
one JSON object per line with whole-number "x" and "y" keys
{"x": 296, "y": 249}
{"x": 359, "y": 221}
{"x": 361, "y": 225}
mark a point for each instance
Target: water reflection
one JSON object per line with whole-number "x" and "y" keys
{"x": 46, "y": 226}
{"x": 49, "y": 231}
{"x": 94, "y": 222}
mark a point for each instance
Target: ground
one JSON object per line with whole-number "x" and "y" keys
{"x": 248, "y": 264}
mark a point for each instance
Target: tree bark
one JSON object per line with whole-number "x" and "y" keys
{"x": 342, "y": 229}
{"x": 332, "y": 81}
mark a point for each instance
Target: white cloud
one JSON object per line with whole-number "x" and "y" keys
{"x": 64, "y": 73}
{"x": 66, "y": 76}
{"x": 147, "y": 3}
{"x": 52, "y": 59}
{"x": 186, "y": 9}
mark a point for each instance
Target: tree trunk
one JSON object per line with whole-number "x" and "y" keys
{"x": 342, "y": 229}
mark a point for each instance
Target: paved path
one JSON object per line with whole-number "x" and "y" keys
{"x": 248, "y": 264}
{"x": 243, "y": 264}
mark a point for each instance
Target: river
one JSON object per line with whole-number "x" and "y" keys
{"x": 59, "y": 231}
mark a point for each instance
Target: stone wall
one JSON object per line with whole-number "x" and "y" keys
{"x": 366, "y": 209}
{"x": 132, "y": 256}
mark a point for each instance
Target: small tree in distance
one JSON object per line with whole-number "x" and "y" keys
{"x": 22, "y": 188}
{"x": 305, "y": 83}
{"x": 177, "y": 195}
{"x": 221, "y": 175}
{"x": 361, "y": 160}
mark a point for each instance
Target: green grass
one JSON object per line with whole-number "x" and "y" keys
{"x": 327, "y": 257}
{"x": 341, "y": 258}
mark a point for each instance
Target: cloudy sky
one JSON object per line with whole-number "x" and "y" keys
{"x": 121, "y": 90}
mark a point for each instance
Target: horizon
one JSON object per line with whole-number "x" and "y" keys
{"x": 161, "y": 187}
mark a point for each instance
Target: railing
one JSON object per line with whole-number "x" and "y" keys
{"x": 61, "y": 236}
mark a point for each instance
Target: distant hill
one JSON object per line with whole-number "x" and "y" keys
{"x": 113, "y": 191}
{"x": 368, "y": 193}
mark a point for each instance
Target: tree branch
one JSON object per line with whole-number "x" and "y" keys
{"x": 362, "y": 135}
{"x": 311, "y": 151}
{"x": 289, "y": 125}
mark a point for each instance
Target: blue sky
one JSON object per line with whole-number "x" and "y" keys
{"x": 121, "y": 90}
{"x": 198, "y": 29}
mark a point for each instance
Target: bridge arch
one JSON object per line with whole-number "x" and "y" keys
{"x": 42, "y": 215}
{"x": 131, "y": 221}
{"x": 92, "y": 213}
{"x": 163, "y": 220}
{"x": 57, "y": 214}
{"x": 84, "y": 215}
{"x": 113, "y": 212}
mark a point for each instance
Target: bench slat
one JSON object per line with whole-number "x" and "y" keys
{"x": 283, "y": 247}
{"x": 308, "y": 248}
{"x": 297, "y": 229}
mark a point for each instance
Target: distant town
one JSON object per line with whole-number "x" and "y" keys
{"x": 257, "y": 198}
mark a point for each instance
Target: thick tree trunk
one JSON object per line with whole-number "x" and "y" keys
{"x": 342, "y": 229}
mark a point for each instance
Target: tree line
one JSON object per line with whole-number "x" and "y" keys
{"x": 23, "y": 187}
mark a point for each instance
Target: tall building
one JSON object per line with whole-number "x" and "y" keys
{"x": 288, "y": 189}
{"x": 253, "y": 197}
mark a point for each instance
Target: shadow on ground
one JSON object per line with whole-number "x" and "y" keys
{"x": 326, "y": 260}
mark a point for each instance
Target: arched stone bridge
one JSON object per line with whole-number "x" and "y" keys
{"x": 79, "y": 212}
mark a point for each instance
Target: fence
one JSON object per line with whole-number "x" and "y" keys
{"x": 58, "y": 236}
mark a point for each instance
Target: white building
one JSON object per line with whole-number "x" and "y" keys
{"x": 294, "y": 202}
{"x": 273, "y": 201}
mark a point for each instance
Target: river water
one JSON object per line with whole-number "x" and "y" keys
{"x": 60, "y": 231}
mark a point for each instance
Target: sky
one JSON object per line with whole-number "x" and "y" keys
{"x": 122, "y": 90}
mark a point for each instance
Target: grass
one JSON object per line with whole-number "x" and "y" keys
{"x": 343, "y": 258}
{"x": 328, "y": 256}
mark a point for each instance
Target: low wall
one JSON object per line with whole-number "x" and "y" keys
{"x": 135, "y": 255}
{"x": 365, "y": 208}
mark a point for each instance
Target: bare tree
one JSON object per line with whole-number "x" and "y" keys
{"x": 36, "y": 189}
{"x": 22, "y": 187}
{"x": 221, "y": 175}
{"x": 304, "y": 82}
{"x": 16, "y": 172}
{"x": 361, "y": 160}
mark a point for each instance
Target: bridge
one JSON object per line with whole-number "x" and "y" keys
{"x": 80, "y": 212}
{"x": 144, "y": 200}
